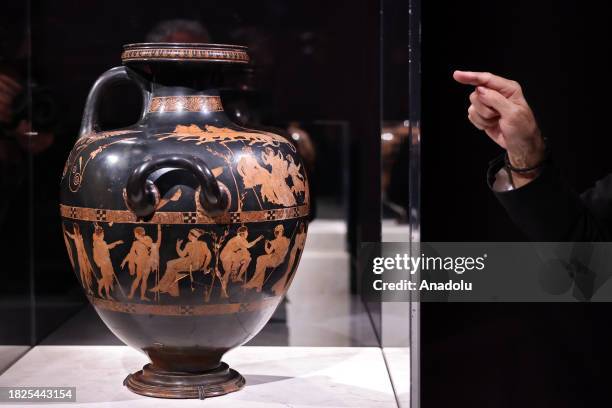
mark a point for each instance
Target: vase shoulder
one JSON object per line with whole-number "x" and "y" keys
{"x": 257, "y": 170}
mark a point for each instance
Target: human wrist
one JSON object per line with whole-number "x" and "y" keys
{"x": 525, "y": 164}
{"x": 528, "y": 153}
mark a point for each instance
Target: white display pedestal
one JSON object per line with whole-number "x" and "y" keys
{"x": 296, "y": 377}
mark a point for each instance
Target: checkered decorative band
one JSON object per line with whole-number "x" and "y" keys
{"x": 167, "y": 217}
{"x": 101, "y": 215}
{"x": 186, "y": 310}
{"x": 190, "y": 217}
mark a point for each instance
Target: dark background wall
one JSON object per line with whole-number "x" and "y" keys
{"x": 509, "y": 355}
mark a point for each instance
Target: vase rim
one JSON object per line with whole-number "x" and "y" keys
{"x": 199, "y": 52}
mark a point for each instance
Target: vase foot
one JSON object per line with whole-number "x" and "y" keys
{"x": 153, "y": 382}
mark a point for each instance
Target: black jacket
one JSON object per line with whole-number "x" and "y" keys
{"x": 547, "y": 210}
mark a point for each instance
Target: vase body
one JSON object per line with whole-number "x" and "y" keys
{"x": 185, "y": 229}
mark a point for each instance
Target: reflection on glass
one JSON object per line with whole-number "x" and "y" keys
{"x": 394, "y": 151}
{"x": 18, "y": 144}
{"x": 400, "y": 180}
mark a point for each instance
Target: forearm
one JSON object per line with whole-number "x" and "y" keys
{"x": 252, "y": 243}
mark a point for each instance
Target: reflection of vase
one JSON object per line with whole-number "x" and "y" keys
{"x": 185, "y": 229}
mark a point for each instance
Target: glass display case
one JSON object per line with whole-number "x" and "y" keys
{"x": 400, "y": 182}
{"x": 339, "y": 80}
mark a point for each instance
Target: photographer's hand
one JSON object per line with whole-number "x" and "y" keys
{"x": 499, "y": 108}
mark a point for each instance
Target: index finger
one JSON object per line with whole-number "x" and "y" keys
{"x": 504, "y": 86}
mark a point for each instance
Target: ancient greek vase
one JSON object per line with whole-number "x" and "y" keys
{"x": 185, "y": 229}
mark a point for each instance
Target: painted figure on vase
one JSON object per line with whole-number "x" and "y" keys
{"x": 153, "y": 261}
{"x": 254, "y": 175}
{"x": 85, "y": 269}
{"x": 279, "y": 175}
{"x": 211, "y": 133}
{"x": 280, "y": 287}
{"x": 138, "y": 262}
{"x": 101, "y": 256}
{"x": 236, "y": 257}
{"x": 276, "y": 250}
{"x": 195, "y": 256}
{"x": 296, "y": 177}
{"x": 274, "y": 188}
{"x": 67, "y": 243}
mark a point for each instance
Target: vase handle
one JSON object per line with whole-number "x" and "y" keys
{"x": 142, "y": 195}
{"x": 107, "y": 79}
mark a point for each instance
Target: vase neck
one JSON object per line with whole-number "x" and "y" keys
{"x": 168, "y": 102}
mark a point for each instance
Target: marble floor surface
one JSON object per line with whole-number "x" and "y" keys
{"x": 398, "y": 365}
{"x": 296, "y": 377}
{"x": 10, "y": 354}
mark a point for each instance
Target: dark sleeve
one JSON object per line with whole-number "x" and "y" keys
{"x": 547, "y": 210}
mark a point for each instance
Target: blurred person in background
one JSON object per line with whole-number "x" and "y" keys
{"x": 27, "y": 116}
{"x": 179, "y": 31}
